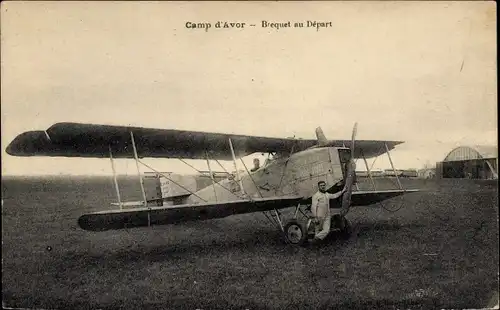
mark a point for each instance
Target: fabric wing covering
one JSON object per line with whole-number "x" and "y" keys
{"x": 140, "y": 217}
{"x": 89, "y": 140}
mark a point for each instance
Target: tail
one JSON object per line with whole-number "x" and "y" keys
{"x": 172, "y": 187}
{"x": 322, "y": 140}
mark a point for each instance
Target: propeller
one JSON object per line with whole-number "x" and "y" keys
{"x": 351, "y": 172}
{"x": 353, "y": 139}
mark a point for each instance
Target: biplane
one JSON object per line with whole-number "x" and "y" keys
{"x": 287, "y": 179}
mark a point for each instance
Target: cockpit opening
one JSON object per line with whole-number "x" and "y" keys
{"x": 271, "y": 157}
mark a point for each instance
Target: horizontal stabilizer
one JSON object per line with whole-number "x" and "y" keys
{"x": 170, "y": 198}
{"x": 176, "y": 200}
{"x": 129, "y": 204}
{"x": 154, "y": 201}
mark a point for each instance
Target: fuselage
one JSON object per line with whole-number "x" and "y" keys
{"x": 297, "y": 174}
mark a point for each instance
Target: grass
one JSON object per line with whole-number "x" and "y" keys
{"x": 439, "y": 251}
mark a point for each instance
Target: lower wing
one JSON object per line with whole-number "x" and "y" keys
{"x": 365, "y": 198}
{"x": 148, "y": 216}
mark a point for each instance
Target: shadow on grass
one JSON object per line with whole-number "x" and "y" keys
{"x": 267, "y": 242}
{"x": 367, "y": 228}
{"x": 263, "y": 243}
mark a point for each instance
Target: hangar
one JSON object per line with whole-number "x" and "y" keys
{"x": 479, "y": 162}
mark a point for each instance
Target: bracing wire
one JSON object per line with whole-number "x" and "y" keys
{"x": 189, "y": 165}
{"x": 251, "y": 178}
{"x": 221, "y": 166}
{"x": 218, "y": 183}
{"x": 382, "y": 205}
{"x": 163, "y": 175}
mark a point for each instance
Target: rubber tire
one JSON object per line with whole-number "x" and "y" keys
{"x": 301, "y": 227}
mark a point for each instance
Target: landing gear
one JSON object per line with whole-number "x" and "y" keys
{"x": 295, "y": 232}
{"x": 341, "y": 225}
{"x": 298, "y": 232}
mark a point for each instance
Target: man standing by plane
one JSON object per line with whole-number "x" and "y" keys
{"x": 320, "y": 209}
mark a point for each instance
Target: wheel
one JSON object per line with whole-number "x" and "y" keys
{"x": 341, "y": 225}
{"x": 295, "y": 233}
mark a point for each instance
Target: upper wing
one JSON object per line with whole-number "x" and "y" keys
{"x": 89, "y": 140}
{"x": 140, "y": 217}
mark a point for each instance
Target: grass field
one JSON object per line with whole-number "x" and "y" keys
{"x": 439, "y": 251}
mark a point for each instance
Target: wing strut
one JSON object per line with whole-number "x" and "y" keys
{"x": 138, "y": 170}
{"x": 211, "y": 176}
{"x": 206, "y": 154}
{"x": 163, "y": 175}
{"x": 117, "y": 188}
{"x": 236, "y": 169}
{"x": 255, "y": 184}
{"x": 276, "y": 212}
{"x": 495, "y": 173}
{"x": 218, "y": 183}
{"x": 392, "y": 165}
{"x": 369, "y": 171}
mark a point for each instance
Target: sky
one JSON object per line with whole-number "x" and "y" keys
{"x": 420, "y": 72}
